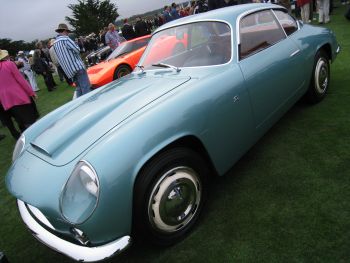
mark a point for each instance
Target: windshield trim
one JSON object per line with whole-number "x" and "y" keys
{"x": 233, "y": 45}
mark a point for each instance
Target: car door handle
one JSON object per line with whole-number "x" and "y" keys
{"x": 294, "y": 53}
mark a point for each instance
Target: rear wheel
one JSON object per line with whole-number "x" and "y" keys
{"x": 320, "y": 78}
{"x": 169, "y": 196}
{"x": 121, "y": 71}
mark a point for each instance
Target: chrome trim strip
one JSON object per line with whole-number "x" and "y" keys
{"x": 76, "y": 252}
{"x": 279, "y": 22}
{"x": 294, "y": 53}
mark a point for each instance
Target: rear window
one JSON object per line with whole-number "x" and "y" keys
{"x": 288, "y": 22}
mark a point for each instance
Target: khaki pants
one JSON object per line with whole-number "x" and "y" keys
{"x": 323, "y": 11}
{"x": 305, "y": 12}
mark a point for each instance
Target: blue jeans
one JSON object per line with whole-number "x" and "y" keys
{"x": 82, "y": 81}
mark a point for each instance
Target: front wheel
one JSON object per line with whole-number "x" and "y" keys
{"x": 169, "y": 196}
{"x": 320, "y": 78}
{"x": 121, "y": 71}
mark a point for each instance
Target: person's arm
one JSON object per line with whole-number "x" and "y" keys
{"x": 21, "y": 81}
{"x": 72, "y": 46}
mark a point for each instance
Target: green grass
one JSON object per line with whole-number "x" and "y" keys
{"x": 286, "y": 200}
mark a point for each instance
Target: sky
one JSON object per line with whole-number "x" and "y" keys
{"x": 29, "y": 20}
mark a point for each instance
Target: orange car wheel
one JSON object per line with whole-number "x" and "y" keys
{"x": 121, "y": 71}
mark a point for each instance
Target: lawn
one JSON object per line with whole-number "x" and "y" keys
{"x": 286, "y": 200}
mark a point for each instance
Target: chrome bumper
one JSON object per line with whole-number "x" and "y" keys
{"x": 76, "y": 252}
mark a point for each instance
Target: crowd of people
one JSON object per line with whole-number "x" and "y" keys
{"x": 63, "y": 55}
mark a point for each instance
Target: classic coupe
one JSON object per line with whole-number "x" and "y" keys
{"x": 132, "y": 159}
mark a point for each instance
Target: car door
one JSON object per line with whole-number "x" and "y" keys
{"x": 268, "y": 60}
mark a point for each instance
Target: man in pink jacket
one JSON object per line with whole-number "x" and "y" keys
{"x": 16, "y": 94}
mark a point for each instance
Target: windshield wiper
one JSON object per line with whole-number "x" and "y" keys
{"x": 163, "y": 65}
{"x": 141, "y": 67}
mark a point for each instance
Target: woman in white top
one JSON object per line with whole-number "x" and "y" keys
{"x": 27, "y": 71}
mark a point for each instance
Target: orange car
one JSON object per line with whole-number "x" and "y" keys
{"x": 120, "y": 63}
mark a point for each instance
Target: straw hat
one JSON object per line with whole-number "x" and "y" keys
{"x": 62, "y": 27}
{"x": 3, "y": 54}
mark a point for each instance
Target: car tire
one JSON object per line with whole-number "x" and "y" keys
{"x": 121, "y": 71}
{"x": 320, "y": 78}
{"x": 169, "y": 196}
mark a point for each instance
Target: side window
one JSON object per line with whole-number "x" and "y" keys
{"x": 288, "y": 23}
{"x": 258, "y": 31}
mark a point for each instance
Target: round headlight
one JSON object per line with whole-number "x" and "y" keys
{"x": 18, "y": 147}
{"x": 80, "y": 194}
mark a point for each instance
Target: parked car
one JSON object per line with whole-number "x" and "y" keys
{"x": 119, "y": 63}
{"x": 98, "y": 56}
{"x": 133, "y": 158}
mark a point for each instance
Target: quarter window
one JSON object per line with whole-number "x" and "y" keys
{"x": 258, "y": 31}
{"x": 288, "y": 23}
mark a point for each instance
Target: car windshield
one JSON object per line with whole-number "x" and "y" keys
{"x": 190, "y": 45}
{"x": 123, "y": 48}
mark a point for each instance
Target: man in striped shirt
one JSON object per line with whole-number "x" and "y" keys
{"x": 68, "y": 56}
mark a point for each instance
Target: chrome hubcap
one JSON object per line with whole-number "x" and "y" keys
{"x": 321, "y": 76}
{"x": 174, "y": 199}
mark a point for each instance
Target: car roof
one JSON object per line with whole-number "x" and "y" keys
{"x": 228, "y": 14}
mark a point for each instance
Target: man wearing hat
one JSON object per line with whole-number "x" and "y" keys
{"x": 54, "y": 60}
{"x": 68, "y": 56}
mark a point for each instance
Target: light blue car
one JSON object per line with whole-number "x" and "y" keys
{"x": 133, "y": 159}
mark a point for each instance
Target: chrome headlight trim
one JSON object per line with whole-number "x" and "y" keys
{"x": 21, "y": 142}
{"x": 86, "y": 167}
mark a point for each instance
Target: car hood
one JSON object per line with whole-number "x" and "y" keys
{"x": 96, "y": 114}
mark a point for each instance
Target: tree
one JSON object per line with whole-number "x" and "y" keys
{"x": 92, "y": 15}
{"x": 14, "y": 46}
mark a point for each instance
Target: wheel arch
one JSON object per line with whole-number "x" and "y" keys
{"x": 328, "y": 49}
{"x": 120, "y": 65}
{"x": 188, "y": 141}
